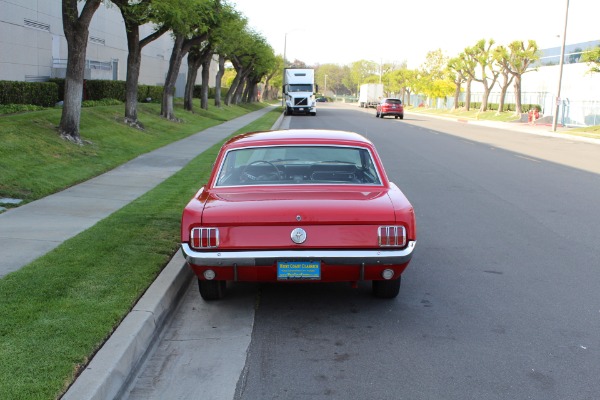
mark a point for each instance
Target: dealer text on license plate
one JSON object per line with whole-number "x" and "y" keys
{"x": 298, "y": 270}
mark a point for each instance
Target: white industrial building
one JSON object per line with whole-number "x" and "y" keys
{"x": 33, "y": 46}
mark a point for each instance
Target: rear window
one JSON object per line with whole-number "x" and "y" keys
{"x": 298, "y": 165}
{"x": 393, "y": 101}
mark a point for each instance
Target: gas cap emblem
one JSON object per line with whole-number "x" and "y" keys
{"x": 298, "y": 235}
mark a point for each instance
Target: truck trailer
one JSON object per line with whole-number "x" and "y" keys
{"x": 370, "y": 94}
{"x": 299, "y": 91}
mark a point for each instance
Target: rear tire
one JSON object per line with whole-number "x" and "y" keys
{"x": 386, "y": 289}
{"x": 212, "y": 290}
{"x": 402, "y": 116}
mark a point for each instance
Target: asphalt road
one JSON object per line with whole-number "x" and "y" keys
{"x": 501, "y": 300}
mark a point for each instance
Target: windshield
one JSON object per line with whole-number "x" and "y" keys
{"x": 298, "y": 165}
{"x": 303, "y": 87}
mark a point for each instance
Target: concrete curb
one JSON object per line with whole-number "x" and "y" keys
{"x": 111, "y": 370}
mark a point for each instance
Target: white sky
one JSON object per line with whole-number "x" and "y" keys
{"x": 343, "y": 31}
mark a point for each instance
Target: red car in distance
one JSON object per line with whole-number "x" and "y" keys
{"x": 298, "y": 205}
{"x": 389, "y": 106}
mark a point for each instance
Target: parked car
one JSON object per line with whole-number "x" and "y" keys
{"x": 298, "y": 205}
{"x": 389, "y": 106}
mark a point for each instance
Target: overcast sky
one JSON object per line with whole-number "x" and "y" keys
{"x": 343, "y": 31}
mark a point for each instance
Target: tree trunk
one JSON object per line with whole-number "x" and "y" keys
{"x": 206, "y": 59}
{"x": 484, "y": 100}
{"x": 134, "y": 60}
{"x": 457, "y": 93}
{"x": 234, "y": 85}
{"x": 218, "y": 80}
{"x": 76, "y": 33}
{"x": 503, "y": 90}
{"x": 237, "y": 97}
{"x": 194, "y": 61}
{"x": 468, "y": 94}
{"x": 167, "y": 109}
{"x": 181, "y": 47}
{"x": 517, "y": 87}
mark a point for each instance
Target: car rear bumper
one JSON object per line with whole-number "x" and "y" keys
{"x": 392, "y": 112}
{"x": 268, "y": 258}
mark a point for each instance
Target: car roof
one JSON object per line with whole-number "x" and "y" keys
{"x": 298, "y": 136}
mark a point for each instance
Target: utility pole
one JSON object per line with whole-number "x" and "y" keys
{"x": 562, "y": 61}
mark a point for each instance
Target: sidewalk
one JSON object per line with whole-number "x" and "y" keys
{"x": 109, "y": 372}
{"x": 533, "y": 129}
{"x": 32, "y": 230}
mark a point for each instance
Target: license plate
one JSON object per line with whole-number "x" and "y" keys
{"x": 298, "y": 270}
{"x": 301, "y": 109}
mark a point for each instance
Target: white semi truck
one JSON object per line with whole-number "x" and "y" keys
{"x": 299, "y": 91}
{"x": 370, "y": 94}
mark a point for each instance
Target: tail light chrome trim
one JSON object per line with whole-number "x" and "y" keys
{"x": 204, "y": 238}
{"x": 391, "y": 236}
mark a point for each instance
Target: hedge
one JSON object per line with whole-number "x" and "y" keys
{"x": 507, "y": 107}
{"x": 211, "y": 91}
{"x": 44, "y": 94}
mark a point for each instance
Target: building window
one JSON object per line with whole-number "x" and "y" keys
{"x": 36, "y": 25}
{"x": 97, "y": 40}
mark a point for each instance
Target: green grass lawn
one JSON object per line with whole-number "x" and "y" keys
{"x": 471, "y": 114}
{"x": 35, "y": 162}
{"x": 56, "y": 312}
{"x": 588, "y": 131}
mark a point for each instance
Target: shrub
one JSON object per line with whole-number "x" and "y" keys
{"x": 101, "y": 102}
{"x": 61, "y": 87}
{"x": 43, "y": 94}
{"x": 103, "y": 89}
{"x": 16, "y": 108}
{"x": 154, "y": 93}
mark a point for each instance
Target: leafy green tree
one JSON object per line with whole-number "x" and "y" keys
{"x": 136, "y": 14}
{"x": 456, "y": 71}
{"x": 76, "y": 28}
{"x": 335, "y": 78}
{"x": 502, "y": 57}
{"x": 520, "y": 59}
{"x": 231, "y": 30}
{"x": 592, "y": 58}
{"x": 359, "y": 72}
{"x": 201, "y": 55}
{"x": 482, "y": 54}
{"x": 195, "y": 19}
{"x": 261, "y": 66}
{"x": 273, "y": 79}
{"x": 248, "y": 54}
{"x": 433, "y": 78}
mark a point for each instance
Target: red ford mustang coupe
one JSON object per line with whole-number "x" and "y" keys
{"x": 298, "y": 205}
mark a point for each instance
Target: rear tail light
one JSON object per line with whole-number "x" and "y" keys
{"x": 391, "y": 236}
{"x": 204, "y": 238}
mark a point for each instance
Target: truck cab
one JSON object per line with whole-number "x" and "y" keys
{"x": 299, "y": 91}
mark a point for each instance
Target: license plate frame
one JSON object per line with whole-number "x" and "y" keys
{"x": 298, "y": 270}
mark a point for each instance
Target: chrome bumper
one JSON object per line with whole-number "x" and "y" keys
{"x": 270, "y": 257}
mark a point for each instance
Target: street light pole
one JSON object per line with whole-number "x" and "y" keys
{"x": 562, "y": 61}
{"x": 284, "y": 65}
